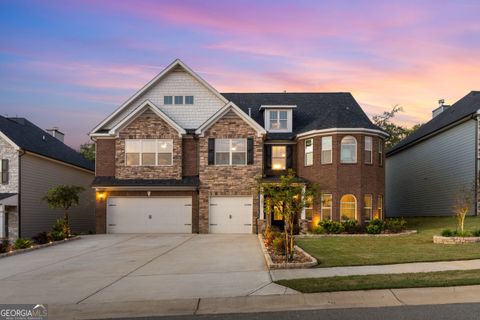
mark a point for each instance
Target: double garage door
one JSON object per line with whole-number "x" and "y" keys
{"x": 149, "y": 215}
{"x": 174, "y": 215}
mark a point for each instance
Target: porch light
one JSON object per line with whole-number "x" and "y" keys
{"x": 101, "y": 195}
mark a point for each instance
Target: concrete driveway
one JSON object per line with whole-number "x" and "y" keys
{"x": 115, "y": 268}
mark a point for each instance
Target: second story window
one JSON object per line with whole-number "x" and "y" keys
{"x": 278, "y": 120}
{"x": 368, "y": 150}
{"x": 308, "y": 152}
{"x": 230, "y": 151}
{"x": 4, "y": 171}
{"x": 279, "y": 157}
{"x": 348, "y": 151}
{"x": 326, "y": 150}
{"x": 167, "y": 100}
{"x": 149, "y": 152}
{"x": 380, "y": 152}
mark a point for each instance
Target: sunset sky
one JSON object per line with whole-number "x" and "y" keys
{"x": 71, "y": 63}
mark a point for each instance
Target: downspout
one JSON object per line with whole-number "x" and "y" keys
{"x": 19, "y": 208}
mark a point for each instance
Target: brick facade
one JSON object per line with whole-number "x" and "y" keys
{"x": 339, "y": 179}
{"x": 148, "y": 126}
{"x": 190, "y": 156}
{"x": 237, "y": 180}
{"x": 105, "y": 157}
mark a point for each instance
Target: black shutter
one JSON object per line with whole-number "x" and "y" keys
{"x": 268, "y": 157}
{"x": 250, "y": 151}
{"x": 289, "y": 162}
{"x": 211, "y": 151}
{"x": 4, "y": 171}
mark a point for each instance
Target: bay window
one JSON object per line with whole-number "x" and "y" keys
{"x": 368, "y": 150}
{"x": 326, "y": 150}
{"x": 308, "y": 152}
{"x": 348, "y": 151}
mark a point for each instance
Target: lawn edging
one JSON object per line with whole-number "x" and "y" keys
{"x": 312, "y": 235}
{"x": 455, "y": 240}
{"x": 36, "y": 247}
{"x": 290, "y": 265}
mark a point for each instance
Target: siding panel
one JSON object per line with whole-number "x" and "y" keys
{"x": 37, "y": 176}
{"x": 424, "y": 179}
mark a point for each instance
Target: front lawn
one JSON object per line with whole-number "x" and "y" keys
{"x": 384, "y": 281}
{"x": 353, "y": 251}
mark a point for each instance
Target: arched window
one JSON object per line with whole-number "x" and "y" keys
{"x": 348, "y": 151}
{"x": 348, "y": 207}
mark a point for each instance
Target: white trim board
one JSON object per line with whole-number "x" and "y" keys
{"x": 152, "y": 82}
{"x": 342, "y": 130}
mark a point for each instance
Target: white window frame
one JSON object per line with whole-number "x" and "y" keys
{"x": 368, "y": 160}
{"x": 355, "y": 202}
{"x": 322, "y": 207}
{"x": 268, "y": 124}
{"x": 231, "y": 152}
{"x": 342, "y": 144}
{"x": 380, "y": 152}
{"x": 157, "y": 152}
{"x": 310, "y": 207}
{"x": 370, "y": 216}
{"x": 322, "y": 160}
{"x": 309, "y": 152}
{"x": 283, "y": 158}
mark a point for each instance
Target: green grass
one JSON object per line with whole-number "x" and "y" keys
{"x": 353, "y": 251}
{"x": 384, "y": 281}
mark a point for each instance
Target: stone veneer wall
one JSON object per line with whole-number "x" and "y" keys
{"x": 148, "y": 126}
{"x": 238, "y": 180}
{"x": 9, "y": 152}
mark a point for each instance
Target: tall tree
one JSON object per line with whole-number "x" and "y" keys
{"x": 88, "y": 151}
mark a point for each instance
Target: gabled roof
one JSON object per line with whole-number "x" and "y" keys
{"x": 315, "y": 111}
{"x": 173, "y": 65}
{"x": 224, "y": 110}
{"x": 461, "y": 109}
{"x": 141, "y": 108}
{"x": 27, "y": 136}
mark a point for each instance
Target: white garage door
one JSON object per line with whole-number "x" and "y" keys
{"x": 230, "y": 215}
{"x": 149, "y": 215}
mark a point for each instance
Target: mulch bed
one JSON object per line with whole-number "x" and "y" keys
{"x": 298, "y": 257}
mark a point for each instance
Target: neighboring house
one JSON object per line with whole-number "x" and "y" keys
{"x": 179, "y": 156}
{"x": 33, "y": 161}
{"x": 429, "y": 170}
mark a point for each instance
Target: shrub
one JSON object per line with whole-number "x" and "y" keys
{"x": 395, "y": 225}
{"x": 331, "y": 226}
{"x": 318, "y": 230}
{"x": 279, "y": 244}
{"x": 350, "y": 226}
{"x": 59, "y": 230}
{"x": 476, "y": 233}
{"x": 42, "y": 238}
{"x": 375, "y": 226}
{"x": 447, "y": 233}
{"x": 22, "y": 243}
{"x": 4, "y": 246}
{"x": 462, "y": 234}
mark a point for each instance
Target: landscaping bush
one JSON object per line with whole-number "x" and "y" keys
{"x": 42, "y": 238}
{"x": 447, "y": 233}
{"x": 476, "y": 233}
{"x": 59, "y": 230}
{"x": 375, "y": 226}
{"x": 462, "y": 234}
{"x": 331, "y": 226}
{"x": 279, "y": 244}
{"x": 4, "y": 246}
{"x": 318, "y": 230}
{"x": 395, "y": 225}
{"x": 350, "y": 226}
{"x": 22, "y": 243}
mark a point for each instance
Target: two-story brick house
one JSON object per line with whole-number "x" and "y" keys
{"x": 179, "y": 156}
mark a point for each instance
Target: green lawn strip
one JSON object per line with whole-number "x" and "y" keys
{"x": 354, "y": 251}
{"x": 384, "y": 281}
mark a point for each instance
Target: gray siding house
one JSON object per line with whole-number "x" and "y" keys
{"x": 33, "y": 161}
{"x": 427, "y": 171}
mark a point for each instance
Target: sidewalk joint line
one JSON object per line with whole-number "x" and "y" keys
{"x": 197, "y": 307}
{"x": 396, "y": 297}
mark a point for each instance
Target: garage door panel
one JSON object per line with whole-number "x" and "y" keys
{"x": 149, "y": 215}
{"x": 230, "y": 214}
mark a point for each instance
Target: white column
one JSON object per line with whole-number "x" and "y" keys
{"x": 262, "y": 214}
{"x": 303, "y": 215}
{"x": 2, "y": 221}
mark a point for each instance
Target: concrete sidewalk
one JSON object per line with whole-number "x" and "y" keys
{"x": 286, "y": 274}
{"x": 249, "y": 304}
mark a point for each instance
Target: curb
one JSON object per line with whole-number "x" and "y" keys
{"x": 290, "y": 265}
{"x": 313, "y": 236}
{"x": 36, "y": 247}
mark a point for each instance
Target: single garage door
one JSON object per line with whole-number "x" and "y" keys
{"x": 149, "y": 215}
{"x": 230, "y": 215}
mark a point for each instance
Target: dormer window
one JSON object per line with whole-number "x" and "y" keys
{"x": 278, "y": 118}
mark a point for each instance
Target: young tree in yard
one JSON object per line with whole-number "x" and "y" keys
{"x": 63, "y": 197}
{"x": 286, "y": 196}
{"x": 462, "y": 206}
{"x": 87, "y": 150}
